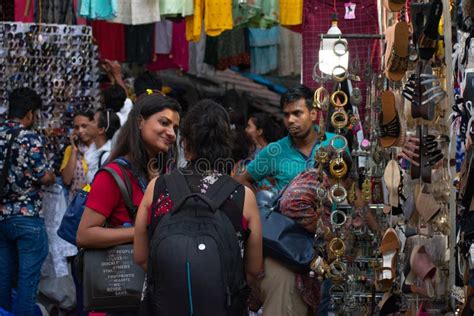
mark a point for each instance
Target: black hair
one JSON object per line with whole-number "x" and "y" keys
{"x": 86, "y": 113}
{"x": 296, "y": 93}
{"x": 207, "y": 136}
{"x": 109, "y": 121}
{"x": 272, "y": 130}
{"x": 147, "y": 80}
{"x": 21, "y": 101}
{"x": 129, "y": 139}
{"x": 114, "y": 97}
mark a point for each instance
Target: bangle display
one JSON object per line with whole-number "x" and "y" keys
{"x": 339, "y": 93}
{"x": 339, "y": 119}
{"x": 338, "y": 168}
{"x": 338, "y": 193}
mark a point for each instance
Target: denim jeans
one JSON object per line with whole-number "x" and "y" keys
{"x": 23, "y": 249}
{"x": 323, "y": 308}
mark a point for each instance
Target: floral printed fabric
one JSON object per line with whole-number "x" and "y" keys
{"x": 28, "y": 165}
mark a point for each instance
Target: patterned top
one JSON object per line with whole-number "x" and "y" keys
{"x": 233, "y": 207}
{"x": 28, "y": 165}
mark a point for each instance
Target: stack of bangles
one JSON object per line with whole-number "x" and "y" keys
{"x": 338, "y": 168}
{"x": 321, "y": 104}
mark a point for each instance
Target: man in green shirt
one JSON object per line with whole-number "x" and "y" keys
{"x": 284, "y": 160}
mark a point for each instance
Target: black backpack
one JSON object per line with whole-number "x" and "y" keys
{"x": 195, "y": 265}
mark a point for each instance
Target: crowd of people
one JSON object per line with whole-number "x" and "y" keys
{"x": 143, "y": 141}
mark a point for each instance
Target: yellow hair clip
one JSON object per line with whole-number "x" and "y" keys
{"x": 149, "y": 91}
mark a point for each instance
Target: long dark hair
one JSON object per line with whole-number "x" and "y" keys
{"x": 207, "y": 136}
{"x": 129, "y": 140}
{"x": 272, "y": 130}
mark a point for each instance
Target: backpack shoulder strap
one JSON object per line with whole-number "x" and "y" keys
{"x": 177, "y": 186}
{"x": 220, "y": 191}
{"x": 100, "y": 158}
{"x": 7, "y": 161}
{"x": 125, "y": 190}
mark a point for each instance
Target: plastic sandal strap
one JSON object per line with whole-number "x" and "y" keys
{"x": 392, "y": 128}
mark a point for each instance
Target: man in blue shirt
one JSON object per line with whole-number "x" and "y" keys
{"x": 284, "y": 160}
{"x": 23, "y": 239}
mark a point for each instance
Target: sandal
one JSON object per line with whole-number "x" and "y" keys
{"x": 429, "y": 37}
{"x": 394, "y": 5}
{"x": 390, "y": 304}
{"x": 389, "y": 248}
{"x": 421, "y": 266}
{"x": 390, "y": 121}
{"x": 415, "y": 171}
{"x": 392, "y": 181}
{"x": 426, "y": 204}
{"x": 397, "y": 50}
{"x": 424, "y": 162}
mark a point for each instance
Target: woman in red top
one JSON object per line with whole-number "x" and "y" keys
{"x": 142, "y": 146}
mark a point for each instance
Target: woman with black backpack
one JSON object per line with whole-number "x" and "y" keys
{"x": 198, "y": 232}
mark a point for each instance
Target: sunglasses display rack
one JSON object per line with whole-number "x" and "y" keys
{"x": 59, "y": 62}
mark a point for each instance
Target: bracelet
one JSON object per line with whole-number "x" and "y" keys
{"x": 322, "y": 157}
{"x": 338, "y": 168}
{"x": 336, "y": 270}
{"x": 340, "y": 42}
{"x": 344, "y": 98}
{"x": 339, "y": 78}
{"x": 339, "y": 119}
{"x": 342, "y": 193}
{"x": 317, "y": 102}
{"x": 332, "y": 143}
{"x": 321, "y": 194}
{"x": 335, "y": 215}
{"x": 337, "y": 247}
{"x": 337, "y": 288}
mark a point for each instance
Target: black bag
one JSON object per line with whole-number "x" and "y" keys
{"x": 283, "y": 238}
{"x": 195, "y": 265}
{"x": 111, "y": 280}
{"x": 7, "y": 162}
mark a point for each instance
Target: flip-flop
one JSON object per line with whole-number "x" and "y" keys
{"x": 429, "y": 37}
{"x": 397, "y": 51}
{"x": 390, "y": 120}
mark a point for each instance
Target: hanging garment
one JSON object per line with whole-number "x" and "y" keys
{"x": 110, "y": 40}
{"x": 139, "y": 43}
{"x": 217, "y": 16}
{"x": 163, "y": 36}
{"x": 134, "y": 12}
{"x": 55, "y": 12}
{"x": 263, "y": 49}
{"x": 7, "y": 10}
{"x": 54, "y": 206}
{"x": 179, "y": 55}
{"x": 20, "y": 10}
{"x": 317, "y": 16}
{"x": 228, "y": 49}
{"x": 197, "y": 50}
{"x": 264, "y": 13}
{"x": 289, "y": 52}
{"x": 291, "y": 12}
{"x": 176, "y": 7}
{"x": 98, "y": 9}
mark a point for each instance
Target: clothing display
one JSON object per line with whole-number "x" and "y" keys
{"x": 98, "y": 10}
{"x": 134, "y": 12}
{"x": 139, "y": 43}
{"x": 289, "y": 52}
{"x": 291, "y": 12}
{"x": 264, "y": 49}
{"x": 178, "y": 7}
{"x": 110, "y": 40}
{"x": 163, "y": 36}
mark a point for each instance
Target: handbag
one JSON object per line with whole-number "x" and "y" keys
{"x": 111, "y": 280}
{"x": 72, "y": 217}
{"x": 283, "y": 238}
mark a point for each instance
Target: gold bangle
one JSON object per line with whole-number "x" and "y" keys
{"x": 341, "y": 196}
{"x": 317, "y": 102}
{"x": 339, "y": 119}
{"x": 333, "y": 99}
{"x": 340, "y": 78}
{"x": 337, "y": 247}
{"x": 338, "y": 168}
